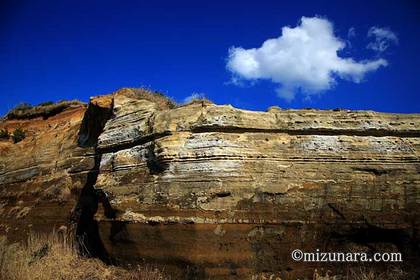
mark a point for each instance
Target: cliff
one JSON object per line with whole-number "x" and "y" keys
{"x": 223, "y": 191}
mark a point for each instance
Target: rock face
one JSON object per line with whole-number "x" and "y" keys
{"x": 41, "y": 176}
{"x": 217, "y": 191}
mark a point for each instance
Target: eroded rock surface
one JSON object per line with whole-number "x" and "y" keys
{"x": 223, "y": 191}
{"x": 41, "y": 176}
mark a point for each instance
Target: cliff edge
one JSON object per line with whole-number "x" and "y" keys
{"x": 223, "y": 191}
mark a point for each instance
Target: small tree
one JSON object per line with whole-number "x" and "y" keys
{"x": 18, "y": 135}
{"x": 4, "y": 134}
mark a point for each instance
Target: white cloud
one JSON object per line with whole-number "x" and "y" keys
{"x": 303, "y": 58}
{"x": 383, "y": 37}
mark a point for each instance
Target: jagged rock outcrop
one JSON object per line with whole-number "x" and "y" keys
{"x": 223, "y": 191}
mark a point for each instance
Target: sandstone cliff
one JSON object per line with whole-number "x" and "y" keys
{"x": 40, "y": 176}
{"x": 223, "y": 191}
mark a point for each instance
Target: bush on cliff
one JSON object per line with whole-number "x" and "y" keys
{"x": 46, "y": 103}
{"x": 4, "y": 134}
{"x": 45, "y": 109}
{"x": 23, "y": 106}
{"x": 18, "y": 135}
{"x": 54, "y": 256}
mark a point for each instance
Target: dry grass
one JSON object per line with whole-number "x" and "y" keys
{"x": 196, "y": 98}
{"x": 53, "y": 256}
{"x": 163, "y": 101}
{"x": 390, "y": 272}
{"x": 45, "y": 110}
{"x": 203, "y": 101}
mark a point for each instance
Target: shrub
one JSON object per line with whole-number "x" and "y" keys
{"x": 4, "y": 134}
{"x": 23, "y": 106}
{"x": 45, "y": 103}
{"x": 18, "y": 110}
{"x": 18, "y": 135}
{"x": 45, "y": 110}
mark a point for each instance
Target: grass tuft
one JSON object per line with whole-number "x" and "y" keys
{"x": 45, "y": 110}
{"x": 54, "y": 256}
{"x": 163, "y": 101}
{"x": 18, "y": 135}
{"x": 362, "y": 272}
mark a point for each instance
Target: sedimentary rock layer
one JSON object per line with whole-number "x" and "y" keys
{"x": 233, "y": 192}
{"x": 229, "y": 192}
{"x": 41, "y": 176}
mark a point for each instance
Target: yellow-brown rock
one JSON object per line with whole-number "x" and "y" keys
{"x": 226, "y": 192}
{"x": 41, "y": 175}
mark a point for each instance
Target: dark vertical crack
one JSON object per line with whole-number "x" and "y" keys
{"x": 87, "y": 230}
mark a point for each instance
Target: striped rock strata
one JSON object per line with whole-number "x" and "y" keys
{"x": 217, "y": 191}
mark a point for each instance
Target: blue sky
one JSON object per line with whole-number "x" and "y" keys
{"x": 53, "y": 50}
